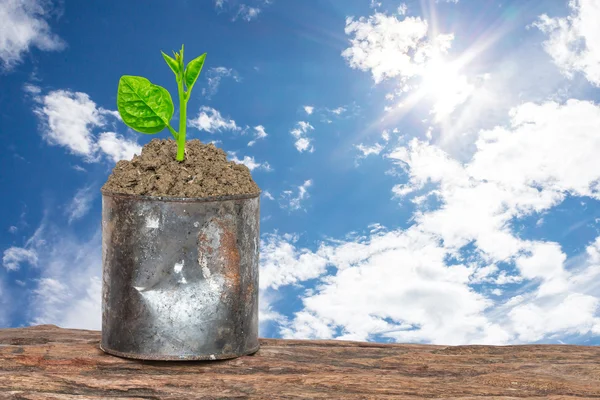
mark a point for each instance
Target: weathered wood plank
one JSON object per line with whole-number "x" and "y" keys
{"x": 48, "y": 362}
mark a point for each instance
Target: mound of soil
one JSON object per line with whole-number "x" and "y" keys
{"x": 205, "y": 172}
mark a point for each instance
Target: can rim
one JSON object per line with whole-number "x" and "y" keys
{"x": 180, "y": 199}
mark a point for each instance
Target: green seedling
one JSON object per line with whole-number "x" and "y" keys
{"x": 148, "y": 108}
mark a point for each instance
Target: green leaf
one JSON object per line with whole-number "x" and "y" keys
{"x": 144, "y": 107}
{"x": 172, "y": 63}
{"x": 193, "y": 70}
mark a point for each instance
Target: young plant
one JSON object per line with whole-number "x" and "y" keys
{"x": 148, "y": 108}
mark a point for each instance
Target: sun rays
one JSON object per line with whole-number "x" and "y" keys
{"x": 436, "y": 78}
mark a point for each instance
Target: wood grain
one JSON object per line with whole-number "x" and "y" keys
{"x": 48, "y": 362}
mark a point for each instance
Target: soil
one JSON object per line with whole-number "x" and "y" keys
{"x": 204, "y": 172}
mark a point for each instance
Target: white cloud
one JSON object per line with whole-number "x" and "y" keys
{"x": 78, "y": 168}
{"x": 248, "y": 10}
{"x": 444, "y": 309}
{"x": 268, "y": 195}
{"x": 492, "y": 95}
{"x": 402, "y": 48}
{"x": 372, "y": 278}
{"x": 5, "y": 305}
{"x": 574, "y": 41}
{"x": 388, "y": 47}
{"x": 326, "y": 112}
{"x": 309, "y": 324}
{"x": 375, "y": 4}
{"x": 117, "y": 147}
{"x": 14, "y": 256}
{"x": 303, "y": 144}
{"x": 304, "y": 126}
{"x": 81, "y": 203}
{"x": 266, "y": 314}
{"x": 69, "y": 297}
{"x": 66, "y": 305}
{"x": 247, "y": 13}
{"x": 67, "y": 289}
{"x": 260, "y": 134}
{"x": 24, "y": 26}
{"x": 328, "y": 115}
{"x": 299, "y": 132}
{"x": 69, "y": 118}
{"x": 294, "y": 203}
{"x": 282, "y": 264}
{"x": 33, "y": 89}
{"x": 375, "y": 227}
{"x": 338, "y": 111}
{"x": 210, "y": 120}
{"x": 533, "y": 150}
{"x": 249, "y": 162}
{"x": 112, "y": 113}
{"x": 214, "y": 77}
{"x": 574, "y": 314}
{"x": 13, "y": 229}
{"x": 385, "y": 135}
{"x": 366, "y": 150}
{"x": 517, "y": 170}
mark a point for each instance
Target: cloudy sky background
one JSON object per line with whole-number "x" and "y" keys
{"x": 430, "y": 169}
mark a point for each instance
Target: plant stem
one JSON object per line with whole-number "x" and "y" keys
{"x": 182, "y": 112}
{"x": 182, "y": 122}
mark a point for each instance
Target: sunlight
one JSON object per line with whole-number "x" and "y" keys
{"x": 429, "y": 76}
{"x": 443, "y": 83}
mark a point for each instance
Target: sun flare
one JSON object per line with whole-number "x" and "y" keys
{"x": 443, "y": 83}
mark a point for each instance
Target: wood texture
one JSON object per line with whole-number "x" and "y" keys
{"x": 48, "y": 362}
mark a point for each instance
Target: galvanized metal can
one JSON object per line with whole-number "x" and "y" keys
{"x": 180, "y": 276}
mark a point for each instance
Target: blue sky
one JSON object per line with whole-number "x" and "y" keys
{"x": 430, "y": 169}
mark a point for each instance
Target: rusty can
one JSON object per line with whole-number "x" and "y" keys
{"x": 180, "y": 276}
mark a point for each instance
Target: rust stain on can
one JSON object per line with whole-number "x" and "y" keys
{"x": 229, "y": 253}
{"x": 249, "y": 292}
{"x": 218, "y": 253}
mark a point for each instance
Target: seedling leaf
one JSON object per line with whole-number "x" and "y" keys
{"x": 193, "y": 70}
{"x": 144, "y": 107}
{"x": 172, "y": 63}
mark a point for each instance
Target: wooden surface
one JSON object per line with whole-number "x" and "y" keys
{"x": 47, "y": 362}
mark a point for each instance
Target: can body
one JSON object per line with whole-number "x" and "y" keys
{"x": 180, "y": 276}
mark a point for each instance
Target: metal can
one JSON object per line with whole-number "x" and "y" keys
{"x": 180, "y": 276}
